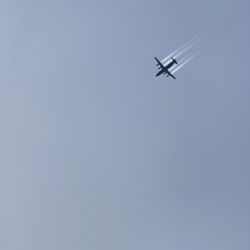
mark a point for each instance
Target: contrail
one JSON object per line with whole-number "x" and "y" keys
{"x": 188, "y": 58}
{"x": 180, "y": 52}
{"x": 190, "y": 46}
{"x": 194, "y": 46}
{"x": 187, "y": 45}
{"x": 185, "y": 58}
{"x": 176, "y": 51}
{"x": 193, "y": 41}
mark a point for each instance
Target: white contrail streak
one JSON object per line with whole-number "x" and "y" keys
{"x": 190, "y": 46}
{"x": 180, "y": 52}
{"x": 187, "y": 45}
{"x": 173, "y": 53}
{"x": 187, "y": 59}
{"x": 193, "y": 47}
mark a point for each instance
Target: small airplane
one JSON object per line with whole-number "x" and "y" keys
{"x": 165, "y": 69}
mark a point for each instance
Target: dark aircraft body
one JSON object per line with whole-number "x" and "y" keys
{"x": 165, "y": 69}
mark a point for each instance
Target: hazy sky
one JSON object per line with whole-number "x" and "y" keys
{"x": 97, "y": 153}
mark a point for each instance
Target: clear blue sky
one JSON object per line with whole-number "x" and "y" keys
{"x": 97, "y": 153}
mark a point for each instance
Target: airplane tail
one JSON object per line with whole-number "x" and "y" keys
{"x": 174, "y": 60}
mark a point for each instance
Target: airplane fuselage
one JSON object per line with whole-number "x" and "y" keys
{"x": 160, "y": 72}
{"x": 165, "y": 67}
{"x": 170, "y": 65}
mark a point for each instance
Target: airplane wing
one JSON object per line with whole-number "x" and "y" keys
{"x": 169, "y": 74}
{"x": 159, "y": 63}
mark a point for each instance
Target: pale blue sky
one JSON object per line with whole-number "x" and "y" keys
{"x": 97, "y": 153}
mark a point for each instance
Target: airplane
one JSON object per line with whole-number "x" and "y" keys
{"x": 165, "y": 69}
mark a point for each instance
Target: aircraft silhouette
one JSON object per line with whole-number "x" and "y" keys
{"x": 165, "y": 69}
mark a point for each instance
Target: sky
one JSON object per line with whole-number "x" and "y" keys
{"x": 98, "y": 153}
